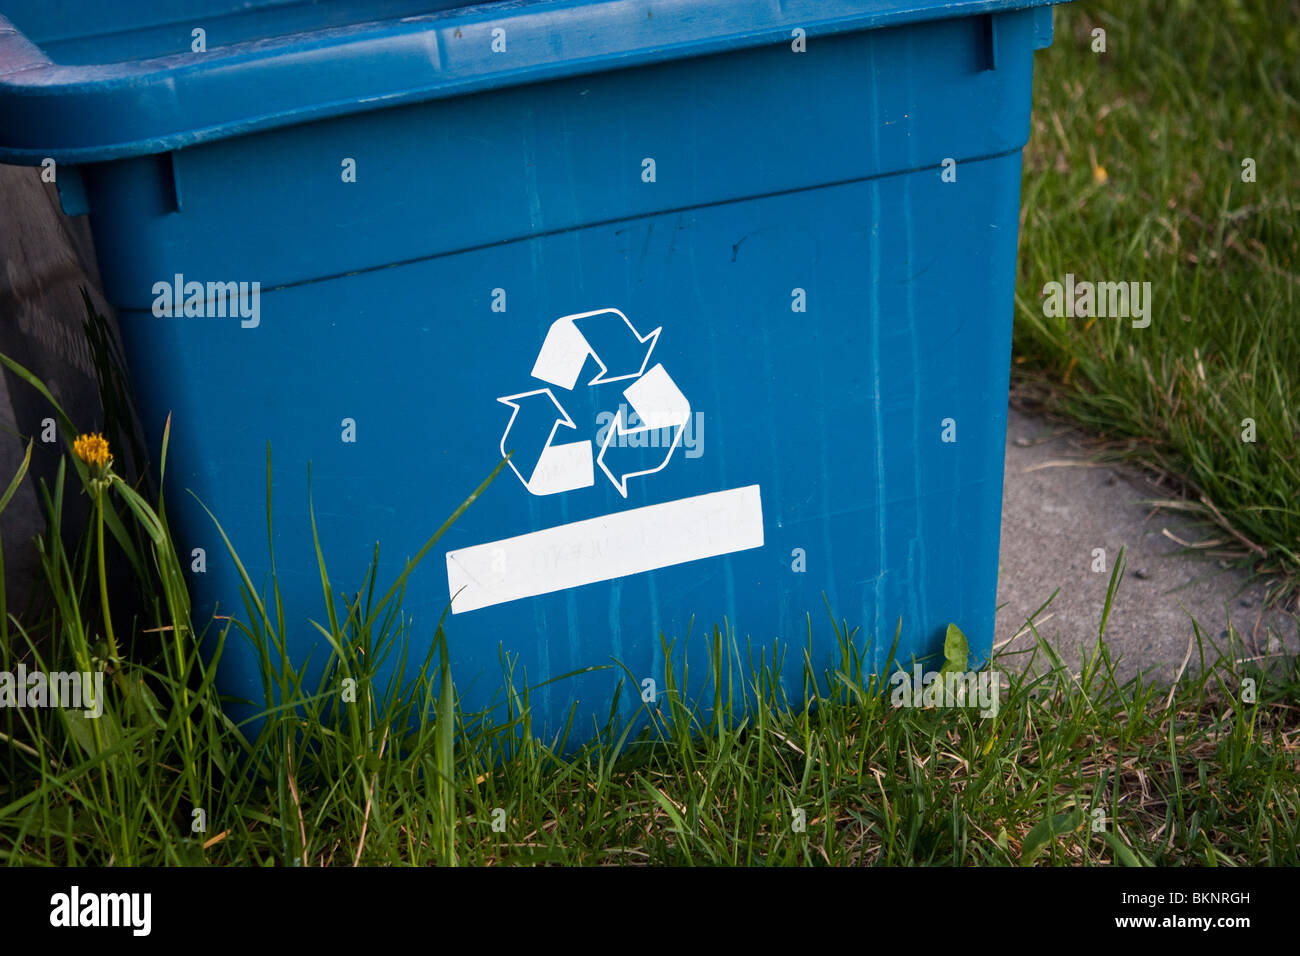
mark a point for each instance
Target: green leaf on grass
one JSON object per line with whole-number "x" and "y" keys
{"x": 83, "y": 730}
{"x": 1123, "y": 854}
{"x": 1047, "y": 830}
{"x": 143, "y": 513}
{"x": 143, "y": 702}
{"x": 956, "y": 652}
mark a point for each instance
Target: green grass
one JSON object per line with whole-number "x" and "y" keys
{"x": 1133, "y": 172}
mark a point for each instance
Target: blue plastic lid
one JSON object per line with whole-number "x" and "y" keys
{"x": 86, "y": 81}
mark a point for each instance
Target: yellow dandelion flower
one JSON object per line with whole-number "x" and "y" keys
{"x": 92, "y": 449}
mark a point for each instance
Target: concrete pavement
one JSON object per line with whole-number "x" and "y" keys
{"x": 1058, "y": 507}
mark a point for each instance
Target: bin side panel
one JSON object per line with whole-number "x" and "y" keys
{"x": 837, "y": 413}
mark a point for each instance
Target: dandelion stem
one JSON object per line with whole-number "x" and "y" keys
{"x": 103, "y": 580}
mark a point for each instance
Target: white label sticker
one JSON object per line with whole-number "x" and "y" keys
{"x": 604, "y": 548}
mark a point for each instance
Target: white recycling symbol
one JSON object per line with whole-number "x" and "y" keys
{"x": 607, "y": 336}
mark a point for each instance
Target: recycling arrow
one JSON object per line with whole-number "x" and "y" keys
{"x": 661, "y": 407}
{"x": 557, "y": 468}
{"x": 606, "y": 335}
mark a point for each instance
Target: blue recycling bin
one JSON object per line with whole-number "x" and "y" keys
{"x": 731, "y": 283}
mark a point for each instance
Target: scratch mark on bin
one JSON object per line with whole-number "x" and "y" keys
{"x": 716, "y": 378}
{"x": 645, "y": 244}
{"x": 575, "y": 638}
{"x": 916, "y": 559}
{"x": 777, "y": 498}
{"x": 877, "y": 418}
{"x": 542, "y": 624}
{"x": 616, "y": 621}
